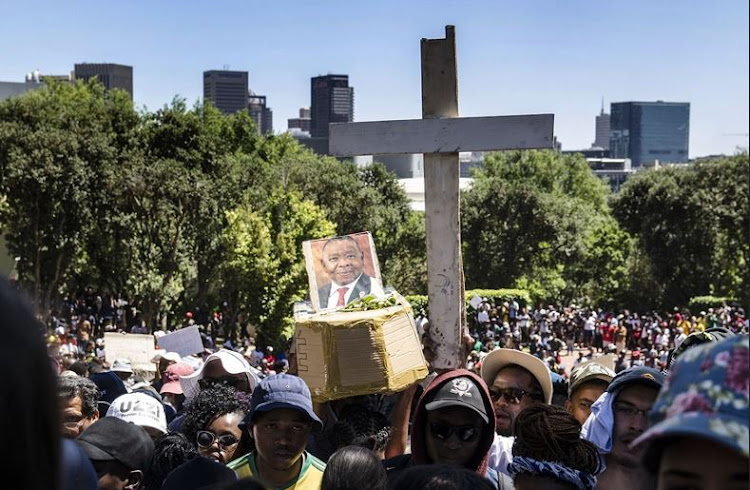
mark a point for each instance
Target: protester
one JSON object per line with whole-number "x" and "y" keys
{"x": 354, "y": 467}
{"x": 698, "y": 436}
{"x": 280, "y": 421}
{"x": 587, "y": 382}
{"x": 548, "y": 452}
{"x": 517, "y": 380}
{"x": 211, "y": 421}
{"x": 120, "y": 452}
{"x": 142, "y": 410}
{"x": 225, "y": 366}
{"x": 124, "y": 370}
{"x": 30, "y": 416}
{"x": 170, "y": 451}
{"x": 617, "y": 418}
{"x": 453, "y": 424}
{"x": 171, "y": 388}
{"x": 77, "y": 398}
{"x": 356, "y": 425}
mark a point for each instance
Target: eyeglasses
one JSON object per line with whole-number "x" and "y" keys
{"x": 512, "y": 395}
{"x": 629, "y": 410}
{"x": 465, "y": 433}
{"x": 206, "y": 439}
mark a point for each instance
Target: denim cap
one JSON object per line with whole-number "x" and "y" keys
{"x": 282, "y": 391}
{"x": 705, "y": 396}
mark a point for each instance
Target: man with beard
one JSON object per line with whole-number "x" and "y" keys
{"x": 617, "y": 418}
{"x": 516, "y": 381}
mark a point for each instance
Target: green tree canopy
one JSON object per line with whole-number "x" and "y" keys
{"x": 692, "y": 224}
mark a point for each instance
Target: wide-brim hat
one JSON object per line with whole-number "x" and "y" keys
{"x": 501, "y": 358}
{"x": 232, "y": 362}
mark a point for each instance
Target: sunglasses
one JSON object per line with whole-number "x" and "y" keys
{"x": 206, "y": 439}
{"x": 512, "y": 395}
{"x": 465, "y": 433}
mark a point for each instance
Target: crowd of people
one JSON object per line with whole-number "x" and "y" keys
{"x": 237, "y": 416}
{"x": 551, "y": 332}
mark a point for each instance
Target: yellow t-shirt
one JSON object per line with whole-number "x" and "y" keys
{"x": 310, "y": 475}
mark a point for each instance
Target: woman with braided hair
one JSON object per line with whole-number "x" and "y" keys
{"x": 548, "y": 452}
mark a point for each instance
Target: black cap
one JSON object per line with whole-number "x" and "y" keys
{"x": 113, "y": 439}
{"x": 199, "y": 474}
{"x": 644, "y": 375}
{"x": 459, "y": 392}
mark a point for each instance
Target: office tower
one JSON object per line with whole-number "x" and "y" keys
{"x": 227, "y": 90}
{"x": 647, "y": 132}
{"x": 262, "y": 115}
{"x": 602, "y": 130}
{"x": 332, "y": 101}
{"x": 302, "y": 122}
{"x": 110, "y": 75}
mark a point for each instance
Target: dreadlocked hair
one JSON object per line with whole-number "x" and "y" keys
{"x": 550, "y": 433}
{"x": 360, "y": 426}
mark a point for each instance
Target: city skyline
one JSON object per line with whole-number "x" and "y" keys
{"x": 536, "y": 57}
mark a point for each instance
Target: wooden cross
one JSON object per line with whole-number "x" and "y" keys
{"x": 440, "y": 135}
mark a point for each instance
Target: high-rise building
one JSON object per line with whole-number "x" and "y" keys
{"x": 111, "y": 75}
{"x": 302, "y": 123}
{"x": 332, "y": 101}
{"x": 602, "y": 130}
{"x": 647, "y": 132}
{"x": 262, "y": 114}
{"x": 227, "y": 90}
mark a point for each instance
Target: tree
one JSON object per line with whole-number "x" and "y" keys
{"x": 692, "y": 224}
{"x": 263, "y": 269}
{"x": 57, "y": 144}
{"x": 523, "y": 220}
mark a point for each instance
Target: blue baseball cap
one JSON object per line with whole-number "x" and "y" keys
{"x": 643, "y": 375}
{"x": 705, "y": 396}
{"x": 282, "y": 391}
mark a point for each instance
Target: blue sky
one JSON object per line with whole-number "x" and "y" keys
{"x": 513, "y": 57}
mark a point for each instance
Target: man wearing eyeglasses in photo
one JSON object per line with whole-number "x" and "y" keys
{"x": 516, "y": 380}
{"x": 453, "y": 425}
{"x": 617, "y": 418}
{"x": 78, "y": 399}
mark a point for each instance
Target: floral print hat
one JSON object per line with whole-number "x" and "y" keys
{"x": 706, "y": 396}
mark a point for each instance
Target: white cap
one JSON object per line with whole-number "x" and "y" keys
{"x": 232, "y": 362}
{"x": 139, "y": 409}
{"x": 122, "y": 366}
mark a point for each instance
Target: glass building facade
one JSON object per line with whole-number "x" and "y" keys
{"x": 649, "y": 131}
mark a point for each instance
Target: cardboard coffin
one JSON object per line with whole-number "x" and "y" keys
{"x": 342, "y": 354}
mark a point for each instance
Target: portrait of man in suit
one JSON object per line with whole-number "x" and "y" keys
{"x": 343, "y": 262}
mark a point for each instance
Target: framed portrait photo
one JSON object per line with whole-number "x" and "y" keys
{"x": 341, "y": 269}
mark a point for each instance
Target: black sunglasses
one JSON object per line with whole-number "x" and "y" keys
{"x": 512, "y": 395}
{"x": 206, "y": 439}
{"x": 465, "y": 433}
